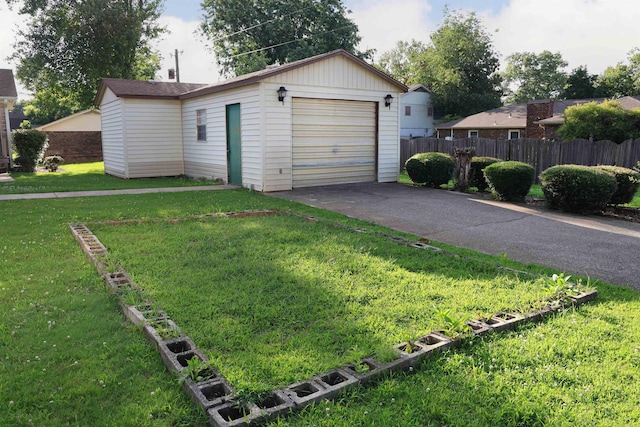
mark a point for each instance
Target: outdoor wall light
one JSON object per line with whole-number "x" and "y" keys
{"x": 282, "y": 93}
{"x": 387, "y": 100}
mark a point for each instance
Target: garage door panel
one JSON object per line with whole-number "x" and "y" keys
{"x": 333, "y": 142}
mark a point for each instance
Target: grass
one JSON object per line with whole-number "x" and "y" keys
{"x": 535, "y": 191}
{"x": 68, "y": 357}
{"x": 85, "y": 177}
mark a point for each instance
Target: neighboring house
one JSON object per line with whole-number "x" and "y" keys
{"x": 77, "y": 138}
{"x": 8, "y": 95}
{"x": 536, "y": 119}
{"x": 16, "y": 118}
{"x": 416, "y": 113}
{"x": 328, "y": 119}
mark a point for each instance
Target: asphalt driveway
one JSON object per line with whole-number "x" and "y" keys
{"x": 601, "y": 248}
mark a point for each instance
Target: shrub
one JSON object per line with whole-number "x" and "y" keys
{"x": 431, "y": 169}
{"x": 51, "y": 163}
{"x": 476, "y": 174}
{"x": 29, "y": 145}
{"x": 628, "y": 183}
{"x": 510, "y": 180}
{"x": 576, "y": 188}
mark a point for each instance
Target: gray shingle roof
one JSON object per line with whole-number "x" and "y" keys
{"x": 7, "y": 84}
{"x": 508, "y": 117}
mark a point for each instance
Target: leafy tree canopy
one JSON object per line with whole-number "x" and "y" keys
{"x": 531, "y": 76}
{"x": 621, "y": 79}
{"x": 400, "y": 62}
{"x": 70, "y": 44}
{"x": 249, "y": 35}
{"x": 580, "y": 85}
{"x": 604, "y": 121}
{"x": 459, "y": 66}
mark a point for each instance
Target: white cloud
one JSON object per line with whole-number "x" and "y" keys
{"x": 595, "y": 33}
{"x": 382, "y": 23}
{"x": 197, "y": 64}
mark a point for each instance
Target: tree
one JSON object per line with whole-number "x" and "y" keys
{"x": 400, "y": 62}
{"x": 69, "y": 45}
{"x": 459, "y": 67}
{"x": 622, "y": 79}
{"x": 580, "y": 85}
{"x": 248, "y": 35}
{"x": 605, "y": 121}
{"x": 534, "y": 76}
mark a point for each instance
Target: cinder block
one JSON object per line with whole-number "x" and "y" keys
{"x": 436, "y": 341}
{"x": 232, "y": 414}
{"x": 584, "y": 297}
{"x": 275, "y": 404}
{"x": 209, "y": 393}
{"x": 153, "y": 331}
{"x": 504, "y": 321}
{"x": 335, "y": 381}
{"x": 369, "y": 370}
{"x": 179, "y": 361}
{"x": 479, "y": 328}
{"x": 306, "y": 392}
{"x": 421, "y": 245}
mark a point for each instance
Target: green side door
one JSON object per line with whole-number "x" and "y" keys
{"x": 234, "y": 150}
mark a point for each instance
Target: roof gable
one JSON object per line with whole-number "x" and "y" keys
{"x": 144, "y": 89}
{"x": 271, "y": 71}
{"x": 7, "y": 84}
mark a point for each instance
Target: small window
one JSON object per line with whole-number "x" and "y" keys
{"x": 430, "y": 111}
{"x": 473, "y": 134}
{"x": 201, "y": 125}
{"x": 407, "y": 110}
{"x": 514, "y": 134}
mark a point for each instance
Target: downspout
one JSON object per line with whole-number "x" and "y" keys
{"x": 6, "y": 120}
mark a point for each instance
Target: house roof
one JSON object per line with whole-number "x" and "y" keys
{"x": 168, "y": 90}
{"x": 256, "y": 76}
{"x": 418, "y": 88}
{"x": 559, "y": 107}
{"x": 69, "y": 118}
{"x": 145, "y": 88}
{"x": 508, "y": 117}
{"x": 7, "y": 84}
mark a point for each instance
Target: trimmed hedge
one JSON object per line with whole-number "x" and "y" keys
{"x": 430, "y": 169}
{"x": 576, "y": 188}
{"x": 29, "y": 145}
{"x": 628, "y": 183}
{"x": 510, "y": 180}
{"x": 476, "y": 174}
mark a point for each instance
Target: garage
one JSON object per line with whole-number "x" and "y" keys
{"x": 334, "y": 142}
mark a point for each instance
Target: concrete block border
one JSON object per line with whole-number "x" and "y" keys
{"x": 215, "y": 395}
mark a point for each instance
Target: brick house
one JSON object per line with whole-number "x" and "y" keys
{"x": 536, "y": 119}
{"x": 8, "y": 95}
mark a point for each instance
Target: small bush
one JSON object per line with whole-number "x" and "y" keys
{"x": 476, "y": 174}
{"x": 51, "y": 163}
{"x": 29, "y": 145}
{"x": 430, "y": 169}
{"x": 628, "y": 183}
{"x": 510, "y": 180}
{"x": 576, "y": 188}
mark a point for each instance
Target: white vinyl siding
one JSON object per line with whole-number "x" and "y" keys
{"x": 418, "y": 122}
{"x": 210, "y": 160}
{"x": 153, "y": 135}
{"x": 201, "y": 125}
{"x": 112, "y": 138}
{"x": 334, "y": 142}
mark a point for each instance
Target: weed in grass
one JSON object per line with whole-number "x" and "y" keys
{"x": 197, "y": 370}
{"x": 451, "y": 324}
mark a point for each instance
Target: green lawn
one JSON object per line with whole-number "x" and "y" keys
{"x": 535, "y": 191}
{"x": 281, "y": 298}
{"x": 86, "y": 176}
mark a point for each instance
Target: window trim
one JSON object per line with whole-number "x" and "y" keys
{"x": 513, "y": 130}
{"x": 473, "y": 136}
{"x": 429, "y": 111}
{"x": 201, "y": 125}
{"x": 407, "y": 110}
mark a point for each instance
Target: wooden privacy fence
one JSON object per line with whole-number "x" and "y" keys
{"x": 539, "y": 153}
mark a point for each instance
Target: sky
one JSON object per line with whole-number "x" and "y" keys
{"x": 595, "y": 33}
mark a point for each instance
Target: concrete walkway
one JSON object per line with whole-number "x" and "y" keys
{"x": 71, "y": 194}
{"x": 597, "y": 247}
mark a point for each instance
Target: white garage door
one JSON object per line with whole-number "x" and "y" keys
{"x": 334, "y": 142}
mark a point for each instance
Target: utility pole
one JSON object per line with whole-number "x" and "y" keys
{"x": 177, "y": 67}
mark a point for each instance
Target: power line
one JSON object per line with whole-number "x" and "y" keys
{"x": 289, "y": 42}
{"x": 262, "y": 23}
